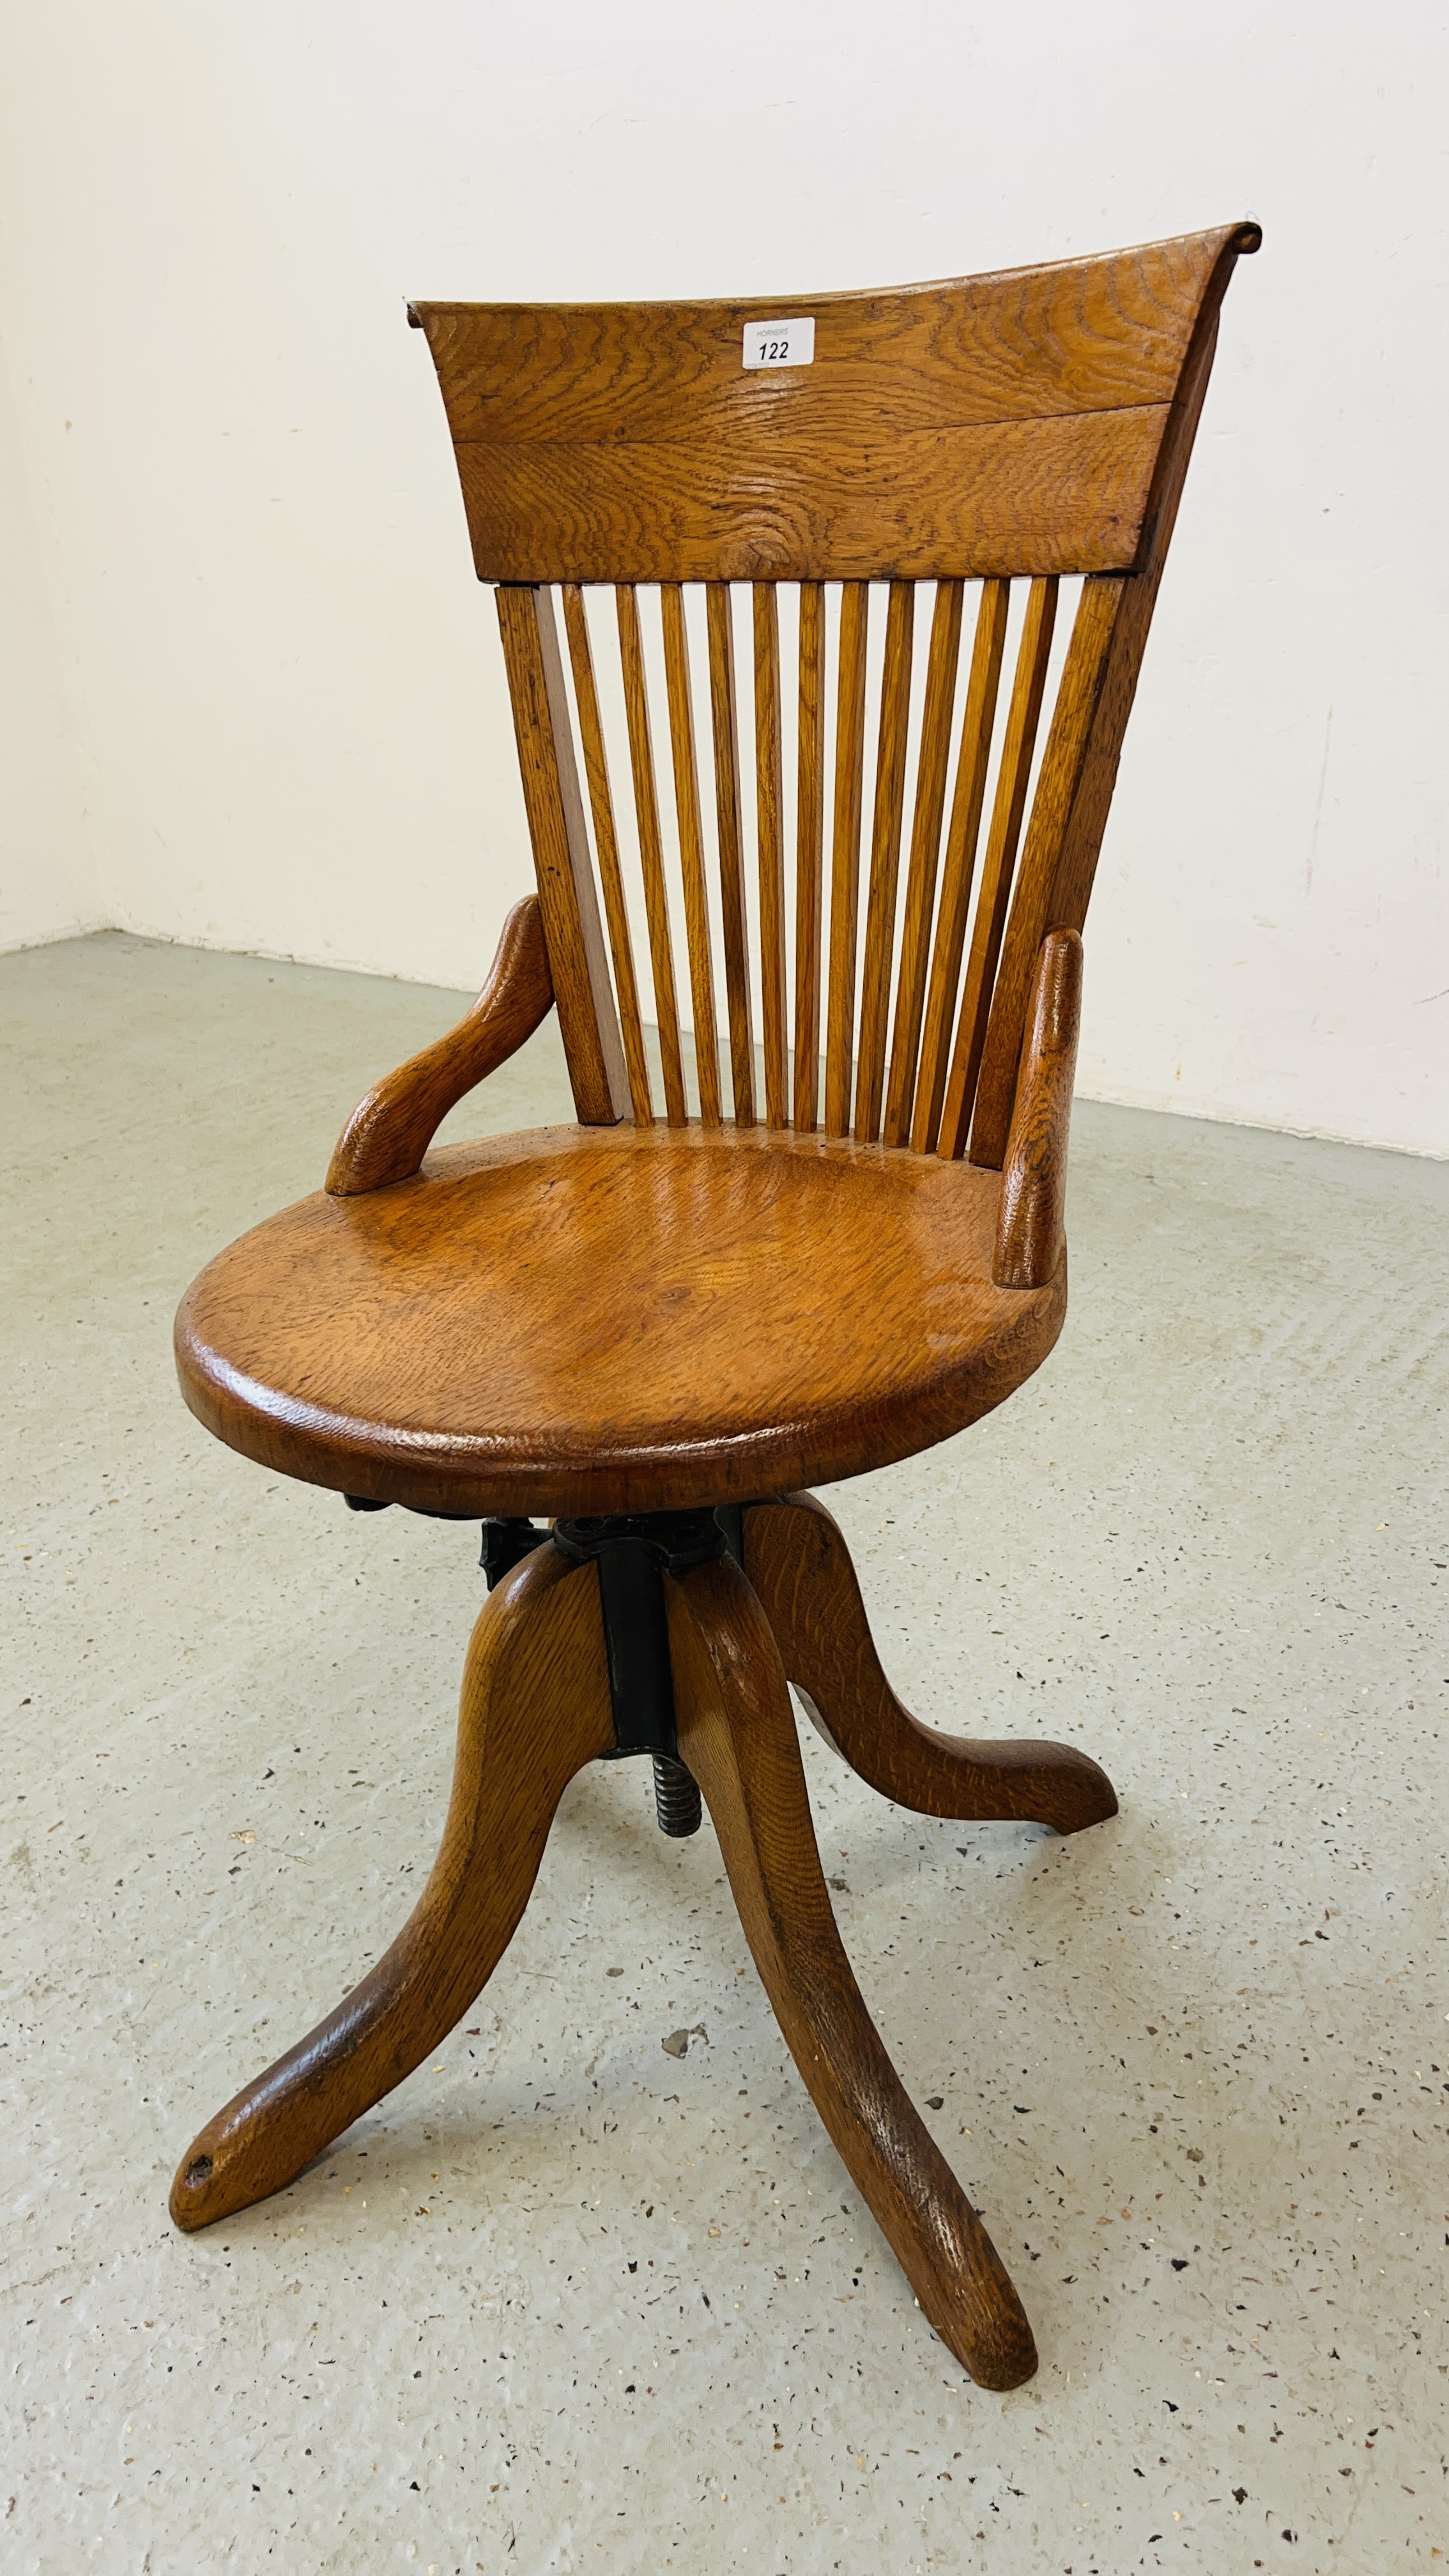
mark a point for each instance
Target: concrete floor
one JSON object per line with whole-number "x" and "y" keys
{"x": 634, "y": 2314}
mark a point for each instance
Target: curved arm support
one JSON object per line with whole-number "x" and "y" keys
{"x": 390, "y": 1131}
{"x": 1031, "y": 1228}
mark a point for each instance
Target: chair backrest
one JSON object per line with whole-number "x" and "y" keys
{"x": 1027, "y": 428}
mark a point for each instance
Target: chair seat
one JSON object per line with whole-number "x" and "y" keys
{"x": 588, "y": 1320}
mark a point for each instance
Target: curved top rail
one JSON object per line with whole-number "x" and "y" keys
{"x": 994, "y": 425}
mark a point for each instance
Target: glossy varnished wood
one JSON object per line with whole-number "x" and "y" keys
{"x": 995, "y": 426}
{"x": 972, "y": 761}
{"x": 798, "y": 1564}
{"x": 390, "y": 1131}
{"x": 737, "y": 1734}
{"x": 1095, "y": 702}
{"x": 734, "y": 918}
{"x": 651, "y": 851}
{"x": 606, "y": 841}
{"x": 643, "y": 444}
{"x": 809, "y": 853}
{"x": 606, "y": 1318}
{"x": 848, "y": 812}
{"x": 1031, "y": 1234}
{"x": 599, "y": 1320}
{"x": 988, "y": 425}
{"x": 998, "y": 1039}
{"x": 535, "y": 1707}
{"x": 561, "y": 860}
{"x": 1008, "y": 808}
{"x": 1050, "y": 496}
{"x": 932, "y": 759}
{"x": 691, "y": 849}
{"x": 885, "y": 859}
{"x": 1082, "y": 334}
{"x": 770, "y": 844}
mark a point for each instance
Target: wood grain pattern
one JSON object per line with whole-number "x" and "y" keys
{"x": 931, "y": 764}
{"x": 770, "y": 841}
{"x": 651, "y": 852}
{"x": 600, "y": 1318}
{"x": 1031, "y": 1234}
{"x": 1081, "y": 840}
{"x": 571, "y": 1320}
{"x": 885, "y": 859}
{"x": 1020, "y": 344}
{"x": 561, "y": 862}
{"x": 737, "y": 1735}
{"x": 724, "y": 720}
{"x": 1082, "y": 837}
{"x": 1057, "y": 787}
{"x": 1072, "y": 335}
{"x": 798, "y": 1564}
{"x": 691, "y": 851}
{"x": 973, "y": 760}
{"x": 1052, "y": 496}
{"x": 1058, "y": 885}
{"x": 606, "y": 842}
{"x": 390, "y": 1131}
{"x": 1008, "y": 809}
{"x": 809, "y": 853}
{"x": 845, "y": 855}
{"x": 535, "y": 1707}
{"x": 991, "y": 425}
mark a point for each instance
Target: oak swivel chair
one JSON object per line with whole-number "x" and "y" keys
{"x": 625, "y": 1345}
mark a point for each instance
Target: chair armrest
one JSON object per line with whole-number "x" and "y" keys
{"x": 1030, "y": 1229}
{"x": 389, "y": 1132}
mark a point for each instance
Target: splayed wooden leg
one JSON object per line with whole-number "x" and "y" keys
{"x": 535, "y": 1707}
{"x": 797, "y": 1560}
{"x": 737, "y": 1734}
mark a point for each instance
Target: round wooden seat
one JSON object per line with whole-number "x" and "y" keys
{"x": 588, "y": 1320}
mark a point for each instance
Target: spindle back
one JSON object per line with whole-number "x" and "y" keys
{"x": 937, "y": 458}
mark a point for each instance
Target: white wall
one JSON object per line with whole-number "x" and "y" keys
{"x": 294, "y": 720}
{"x": 48, "y": 882}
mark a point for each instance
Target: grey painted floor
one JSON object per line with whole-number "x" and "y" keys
{"x": 566, "y": 2302}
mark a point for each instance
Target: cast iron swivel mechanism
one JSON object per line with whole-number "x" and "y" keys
{"x": 633, "y": 1552}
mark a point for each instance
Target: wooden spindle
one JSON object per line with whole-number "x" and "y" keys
{"x": 562, "y": 863}
{"x": 885, "y": 857}
{"x": 809, "y": 853}
{"x": 770, "y": 807}
{"x": 734, "y": 919}
{"x": 931, "y": 763}
{"x": 977, "y": 725}
{"x": 1006, "y": 817}
{"x": 1096, "y": 636}
{"x": 691, "y": 851}
{"x": 845, "y": 855}
{"x": 606, "y": 841}
{"x": 651, "y": 851}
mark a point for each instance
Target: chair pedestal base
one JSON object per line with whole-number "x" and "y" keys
{"x": 536, "y": 1705}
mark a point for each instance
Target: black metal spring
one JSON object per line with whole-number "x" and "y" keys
{"x": 676, "y": 1798}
